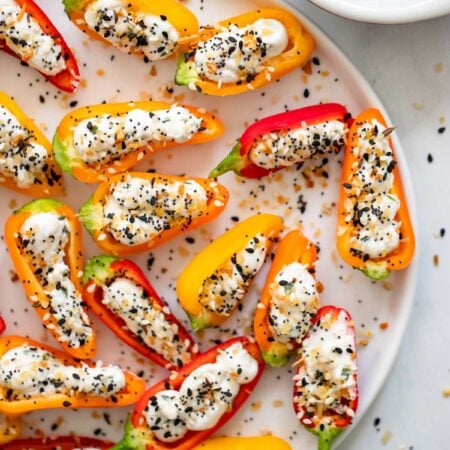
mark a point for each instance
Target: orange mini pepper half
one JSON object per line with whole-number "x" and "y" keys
{"x": 299, "y": 48}
{"x": 28, "y": 275}
{"x": 210, "y": 268}
{"x": 349, "y": 216}
{"x": 70, "y": 160}
{"x": 93, "y": 218}
{"x": 133, "y": 389}
{"x": 172, "y": 11}
{"x": 50, "y": 181}
{"x": 294, "y": 247}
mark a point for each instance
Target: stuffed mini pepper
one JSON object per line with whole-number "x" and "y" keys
{"x": 34, "y": 376}
{"x": 59, "y": 443}
{"x": 326, "y": 388}
{"x": 149, "y": 29}
{"x": 375, "y": 233}
{"x": 288, "y": 301}
{"x": 244, "y": 52}
{"x": 134, "y": 212}
{"x": 217, "y": 279}
{"x": 118, "y": 292}
{"x": 28, "y": 34}
{"x": 184, "y": 409}
{"x": 97, "y": 141}
{"x": 44, "y": 242}
{"x": 26, "y": 162}
{"x": 285, "y": 139}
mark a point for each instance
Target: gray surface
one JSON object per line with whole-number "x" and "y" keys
{"x": 400, "y": 63}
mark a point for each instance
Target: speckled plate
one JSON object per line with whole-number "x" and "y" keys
{"x": 310, "y": 203}
{"x": 385, "y": 11}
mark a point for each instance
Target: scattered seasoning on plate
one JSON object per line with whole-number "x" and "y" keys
{"x": 150, "y": 261}
{"x": 441, "y": 130}
{"x": 430, "y": 158}
{"x": 387, "y": 436}
{"x": 436, "y": 260}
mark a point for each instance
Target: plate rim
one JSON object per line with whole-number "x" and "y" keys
{"x": 345, "y": 64}
{"x": 412, "y": 270}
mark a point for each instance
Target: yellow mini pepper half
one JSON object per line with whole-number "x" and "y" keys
{"x": 245, "y": 443}
{"x": 180, "y": 17}
{"x": 212, "y": 284}
{"x": 299, "y": 49}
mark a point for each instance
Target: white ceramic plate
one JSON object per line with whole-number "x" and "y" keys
{"x": 125, "y": 78}
{"x": 385, "y": 11}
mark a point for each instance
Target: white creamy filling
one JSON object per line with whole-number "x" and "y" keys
{"x": 162, "y": 415}
{"x": 146, "y": 319}
{"x": 223, "y": 290}
{"x": 204, "y": 396}
{"x": 23, "y": 34}
{"x": 104, "y": 137}
{"x": 137, "y": 210}
{"x": 20, "y": 157}
{"x": 282, "y": 149}
{"x": 327, "y": 368}
{"x": 28, "y": 371}
{"x": 237, "y": 54}
{"x": 114, "y": 20}
{"x": 293, "y": 302}
{"x": 44, "y": 239}
{"x": 372, "y": 207}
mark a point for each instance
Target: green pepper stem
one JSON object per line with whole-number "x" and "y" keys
{"x": 327, "y": 437}
{"x": 233, "y": 161}
{"x": 133, "y": 438}
{"x": 324, "y": 442}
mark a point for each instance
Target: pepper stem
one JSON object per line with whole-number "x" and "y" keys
{"x": 233, "y": 161}
{"x": 327, "y": 437}
{"x": 376, "y": 271}
{"x": 133, "y": 438}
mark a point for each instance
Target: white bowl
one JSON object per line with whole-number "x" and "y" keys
{"x": 386, "y": 11}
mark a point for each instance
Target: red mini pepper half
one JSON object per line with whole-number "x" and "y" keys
{"x": 138, "y": 435}
{"x": 239, "y": 161}
{"x": 103, "y": 270}
{"x": 66, "y": 80}
{"x": 327, "y": 423}
{"x": 2, "y": 325}
{"x": 58, "y": 443}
